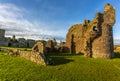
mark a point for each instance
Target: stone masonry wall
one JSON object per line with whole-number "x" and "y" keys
{"x": 33, "y": 56}
{"x": 103, "y": 46}
{"x": 36, "y": 57}
{"x": 2, "y": 34}
{"x": 39, "y": 47}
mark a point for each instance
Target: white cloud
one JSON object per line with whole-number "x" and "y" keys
{"x": 12, "y": 19}
{"x": 11, "y": 11}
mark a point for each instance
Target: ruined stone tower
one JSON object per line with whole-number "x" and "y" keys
{"x": 2, "y": 34}
{"x": 93, "y": 38}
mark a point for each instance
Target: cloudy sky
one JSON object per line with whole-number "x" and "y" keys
{"x": 50, "y": 18}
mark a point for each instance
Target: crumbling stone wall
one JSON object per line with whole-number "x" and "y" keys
{"x": 2, "y": 34}
{"x": 34, "y": 57}
{"x": 103, "y": 46}
{"x": 50, "y": 45}
{"x": 54, "y": 42}
{"x": 63, "y": 48}
{"x": 93, "y": 38}
{"x": 39, "y": 47}
{"x": 2, "y": 38}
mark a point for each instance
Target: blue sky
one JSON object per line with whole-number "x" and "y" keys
{"x": 50, "y": 18}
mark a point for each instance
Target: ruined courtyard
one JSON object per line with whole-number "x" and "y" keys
{"x": 92, "y": 38}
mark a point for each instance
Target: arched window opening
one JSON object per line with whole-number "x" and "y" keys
{"x": 95, "y": 28}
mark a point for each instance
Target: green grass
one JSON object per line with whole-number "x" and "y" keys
{"x": 67, "y": 68}
{"x": 28, "y": 49}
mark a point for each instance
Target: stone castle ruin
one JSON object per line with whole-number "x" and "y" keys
{"x": 2, "y": 36}
{"x": 93, "y": 38}
{"x": 13, "y": 42}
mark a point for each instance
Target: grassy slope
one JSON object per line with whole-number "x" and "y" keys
{"x": 67, "y": 68}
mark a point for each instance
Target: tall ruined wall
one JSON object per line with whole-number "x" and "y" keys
{"x": 103, "y": 46}
{"x": 93, "y": 38}
{"x": 2, "y": 37}
{"x": 75, "y": 34}
{"x": 79, "y": 38}
{"x": 2, "y": 34}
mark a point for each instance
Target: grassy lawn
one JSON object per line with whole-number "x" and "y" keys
{"x": 28, "y": 49}
{"x": 67, "y": 68}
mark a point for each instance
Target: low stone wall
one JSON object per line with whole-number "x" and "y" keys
{"x": 29, "y": 55}
{"x": 4, "y": 50}
{"x": 34, "y": 57}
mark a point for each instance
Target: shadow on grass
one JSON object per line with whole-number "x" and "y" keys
{"x": 117, "y": 55}
{"x": 62, "y": 58}
{"x": 62, "y": 54}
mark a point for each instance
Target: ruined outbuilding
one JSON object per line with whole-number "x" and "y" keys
{"x": 93, "y": 38}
